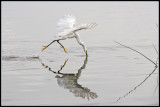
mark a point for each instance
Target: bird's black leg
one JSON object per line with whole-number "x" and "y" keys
{"x": 62, "y": 46}
{"x": 55, "y": 41}
{"x": 48, "y": 45}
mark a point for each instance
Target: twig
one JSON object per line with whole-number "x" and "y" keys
{"x": 137, "y": 52}
{"x": 156, "y": 63}
{"x": 139, "y": 74}
{"x": 156, "y": 87}
{"x": 157, "y": 25}
{"x": 155, "y": 49}
{"x": 146, "y": 77}
{"x": 137, "y": 85}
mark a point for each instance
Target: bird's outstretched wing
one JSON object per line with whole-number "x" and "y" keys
{"x": 85, "y": 26}
{"x": 65, "y": 23}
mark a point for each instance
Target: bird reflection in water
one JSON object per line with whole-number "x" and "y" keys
{"x": 70, "y": 81}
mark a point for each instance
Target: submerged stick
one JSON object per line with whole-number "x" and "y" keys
{"x": 157, "y": 53}
{"x": 137, "y": 85}
{"x": 137, "y": 52}
{"x": 156, "y": 87}
{"x": 146, "y": 77}
{"x": 157, "y": 25}
{"x": 155, "y": 49}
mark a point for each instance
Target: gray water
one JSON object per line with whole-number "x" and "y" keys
{"x": 111, "y": 73}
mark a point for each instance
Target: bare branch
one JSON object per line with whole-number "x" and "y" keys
{"x": 155, "y": 49}
{"x": 157, "y": 25}
{"x": 145, "y": 78}
{"x": 156, "y": 87}
{"x": 137, "y": 52}
{"x": 137, "y": 85}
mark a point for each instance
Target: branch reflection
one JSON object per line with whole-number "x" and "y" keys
{"x": 137, "y": 85}
{"x": 70, "y": 81}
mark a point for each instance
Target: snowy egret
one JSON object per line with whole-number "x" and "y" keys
{"x": 66, "y": 29}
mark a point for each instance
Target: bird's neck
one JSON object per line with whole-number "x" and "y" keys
{"x": 81, "y": 43}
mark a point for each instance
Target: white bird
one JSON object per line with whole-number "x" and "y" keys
{"x": 66, "y": 29}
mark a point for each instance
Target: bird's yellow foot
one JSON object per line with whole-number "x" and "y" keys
{"x": 64, "y": 49}
{"x": 86, "y": 53}
{"x": 44, "y": 48}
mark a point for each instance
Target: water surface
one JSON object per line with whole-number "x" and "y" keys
{"x": 53, "y": 77}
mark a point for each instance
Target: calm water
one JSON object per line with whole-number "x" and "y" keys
{"x": 110, "y": 72}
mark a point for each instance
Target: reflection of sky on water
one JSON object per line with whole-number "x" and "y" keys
{"x": 26, "y": 26}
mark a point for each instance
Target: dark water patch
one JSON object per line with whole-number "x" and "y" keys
{"x": 144, "y": 46}
{"x": 139, "y": 75}
{"x": 135, "y": 58}
{"x": 140, "y": 63}
{"x": 51, "y": 61}
{"x": 18, "y": 58}
{"x": 22, "y": 41}
{"x": 24, "y": 69}
{"x": 109, "y": 48}
{"x": 120, "y": 56}
{"x": 124, "y": 57}
{"x": 92, "y": 49}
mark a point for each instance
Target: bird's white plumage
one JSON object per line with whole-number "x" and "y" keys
{"x": 84, "y": 26}
{"x": 65, "y": 23}
{"x": 66, "y": 29}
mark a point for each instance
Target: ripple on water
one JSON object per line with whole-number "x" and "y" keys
{"x": 19, "y": 58}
